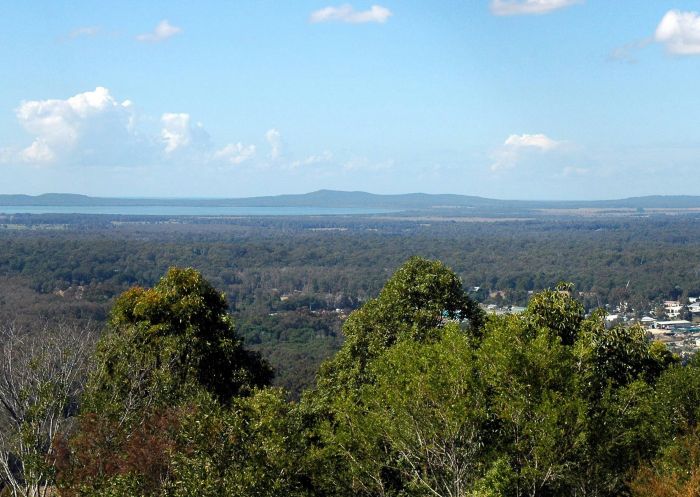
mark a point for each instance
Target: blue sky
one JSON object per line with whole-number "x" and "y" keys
{"x": 531, "y": 99}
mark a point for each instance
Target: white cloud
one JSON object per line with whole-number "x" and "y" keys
{"x": 60, "y": 127}
{"x": 679, "y": 32}
{"x": 85, "y": 32}
{"x": 523, "y": 7}
{"x": 274, "y": 139}
{"x": 179, "y": 133}
{"x": 93, "y": 129}
{"x": 38, "y": 152}
{"x": 516, "y": 146}
{"x": 162, "y": 32}
{"x": 235, "y": 153}
{"x": 312, "y": 160}
{"x": 346, "y": 13}
{"x": 626, "y": 53}
{"x": 575, "y": 171}
{"x": 175, "y": 132}
{"x": 540, "y": 141}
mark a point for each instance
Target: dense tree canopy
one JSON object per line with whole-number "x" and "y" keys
{"x": 285, "y": 277}
{"x": 427, "y": 397}
{"x": 166, "y": 343}
{"x": 412, "y": 306}
{"x": 544, "y": 403}
{"x": 168, "y": 351}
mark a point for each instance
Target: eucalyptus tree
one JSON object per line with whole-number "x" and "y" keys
{"x": 42, "y": 375}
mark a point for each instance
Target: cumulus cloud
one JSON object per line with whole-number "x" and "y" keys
{"x": 524, "y": 7}
{"x": 38, "y": 152}
{"x": 274, "y": 139}
{"x": 94, "y": 129}
{"x": 679, "y": 32}
{"x": 516, "y": 146}
{"x": 178, "y": 132}
{"x": 60, "y": 127}
{"x": 235, "y": 153}
{"x": 346, "y": 13}
{"x": 162, "y": 32}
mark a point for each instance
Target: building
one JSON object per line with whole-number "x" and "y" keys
{"x": 672, "y": 308}
{"x": 648, "y": 322}
{"x": 672, "y": 325}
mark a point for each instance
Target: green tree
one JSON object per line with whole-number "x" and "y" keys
{"x": 169, "y": 351}
{"x": 413, "y": 304}
{"x": 166, "y": 343}
{"x": 675, "y": 469}
{"x": 556, "y": 310}
{"x": 251, "y": 448}
{"x": 537, "y": 418}
{"x": 571, "y": 399}
{"x": 421, "y": 426}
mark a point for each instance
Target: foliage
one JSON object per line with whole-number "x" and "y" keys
{"x": 422, "y": 421}
{"x": 73, "y": 267}
{"x": 412, "y": 306}
{"x": 426, "y": 396}
{"x": 41, "y": 378}
{"x": 166, "y": 349}
{"x": 252, "y": 449}
{"x": 202, "y": 448}
{"x": 167, "y": 343}
{"x": 103, "y": 458}
{"x": 556, "y": 310}
{"x": 675, "y": 473}
{"x": 544, "y": 403}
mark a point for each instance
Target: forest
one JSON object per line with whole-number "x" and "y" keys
{"x": 290, "y": 282}
{"x": 427, "y": 396}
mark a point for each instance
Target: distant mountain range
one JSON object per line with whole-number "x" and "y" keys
{"x": 343, "y": 199}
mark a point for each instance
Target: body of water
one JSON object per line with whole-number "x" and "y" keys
{"x": 169, "y": 210}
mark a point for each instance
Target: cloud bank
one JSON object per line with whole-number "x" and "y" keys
{"x": 95, "y": 129}
{"x": 93, "y": 135}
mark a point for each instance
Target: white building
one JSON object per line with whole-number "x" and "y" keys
{"x": 672, "y": 308}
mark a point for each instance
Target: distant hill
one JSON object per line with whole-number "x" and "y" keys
{"x": 344, "y": 199}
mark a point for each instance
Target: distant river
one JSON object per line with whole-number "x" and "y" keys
{"x": 168, "y": 210}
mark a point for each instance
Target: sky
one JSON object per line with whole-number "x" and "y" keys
{"x": 512, "y": 99}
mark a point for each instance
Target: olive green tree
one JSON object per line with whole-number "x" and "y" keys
{"x": 165, "y": 343}
{"x": 168, "y": 350}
